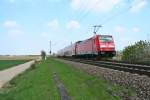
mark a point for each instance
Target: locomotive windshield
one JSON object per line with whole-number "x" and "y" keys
{"x": 106, "y": 38}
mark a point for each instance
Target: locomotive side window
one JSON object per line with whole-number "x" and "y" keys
{"x": 106, "y": 38}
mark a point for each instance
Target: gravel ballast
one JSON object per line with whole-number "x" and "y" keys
{"x": 141, "y": 84}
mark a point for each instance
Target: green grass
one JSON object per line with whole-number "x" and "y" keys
{"x": 4, "y": 64}
{"x": 34, "y": 84}
{"x": 82, "y": 86}
{"x": 38, "y": 84}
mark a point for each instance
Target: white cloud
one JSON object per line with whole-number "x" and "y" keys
{"x": 96, "y": 5}
{"x": 15, "y": 33}
{"x": 54, "y": 24}
{"x": 136, "y": 29}
{"x": 10, "y": 24}
{"x": 73, "y": 25}
{"x": 138, "y": 5}
{"x": 13, "y": 29}
{"x": 120, "y": 29}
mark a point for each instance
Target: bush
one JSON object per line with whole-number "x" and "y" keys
{"x": 138, "y": 52}
{"x": 43, "y": 55}
{"x": 33, "y": 66}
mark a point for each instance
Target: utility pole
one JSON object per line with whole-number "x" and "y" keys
{"x": 50, "y": 48}
{"x": 96, "y": 28}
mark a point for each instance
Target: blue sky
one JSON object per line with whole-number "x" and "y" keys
{"x": 27, "y": 26}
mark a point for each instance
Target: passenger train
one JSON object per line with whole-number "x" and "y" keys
{"x": 96, "y": 46}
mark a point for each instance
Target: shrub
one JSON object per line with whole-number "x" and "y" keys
{"x": 138, "y": 52}
{"x": 43, "y": 55}
{"x": 33, "y": 66}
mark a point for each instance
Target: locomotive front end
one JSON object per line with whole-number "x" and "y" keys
{"x": 106, "y": 46}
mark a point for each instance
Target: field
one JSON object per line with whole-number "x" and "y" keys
{"x": 39, "y": 84}
{"x": 4, "y": 64}
{"x": 8, "y": 61}
{"x": 20, "y": 57}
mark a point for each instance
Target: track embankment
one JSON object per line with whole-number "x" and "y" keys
{"x": 139, "y": 83}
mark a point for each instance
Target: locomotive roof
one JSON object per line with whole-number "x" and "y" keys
{"x": 78, "y": 41}
{"x": 104, "y": 35}
{"x": 91, "y": 38}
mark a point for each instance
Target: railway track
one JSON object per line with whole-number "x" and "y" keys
{"x": 132, "y": 68}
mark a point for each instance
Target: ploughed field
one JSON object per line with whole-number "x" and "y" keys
{"x": 4, "y": 64}
{"x": 51, "y": 79}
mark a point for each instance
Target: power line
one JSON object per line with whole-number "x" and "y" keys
{"x": 106, "y": 20}
{"x": 91, "y": 8}
{"x": 81, "y": 8}
{"x": 88, "y": 11}
{"x": 116, "y": 15}
{"x": 113, "y": 16}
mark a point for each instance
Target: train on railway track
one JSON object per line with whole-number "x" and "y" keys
{"x": 96, "y": 46}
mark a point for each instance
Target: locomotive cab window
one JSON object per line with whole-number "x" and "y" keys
{"x": 106, "y": 38}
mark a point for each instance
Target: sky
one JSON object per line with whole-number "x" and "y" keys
{"x": 28, "y": 26}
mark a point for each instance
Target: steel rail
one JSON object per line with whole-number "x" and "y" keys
{"x": 132, "y": 68}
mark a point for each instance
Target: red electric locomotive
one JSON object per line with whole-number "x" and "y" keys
{"x": 97, "y": 46}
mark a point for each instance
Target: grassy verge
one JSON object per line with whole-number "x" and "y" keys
{"x": 38, "y": 84}
{"x": 4, "y": 64}
{"x": 34, "y": 84}
{"x": 82, "y": 86}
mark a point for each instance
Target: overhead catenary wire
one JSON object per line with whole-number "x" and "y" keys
{"x": 81, "y": 9}
{"x": 87, "y": 12}
{"x": 91, "y": 8}
{"x": 106, "y": 20}
{"x": 116, "y": 15}
{"x": 119, "y": 13}
{"x": 84, "y": 15}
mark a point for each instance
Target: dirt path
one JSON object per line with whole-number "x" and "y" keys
{"x": 61, "y": 88}
{"x": 8, "y": 74}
